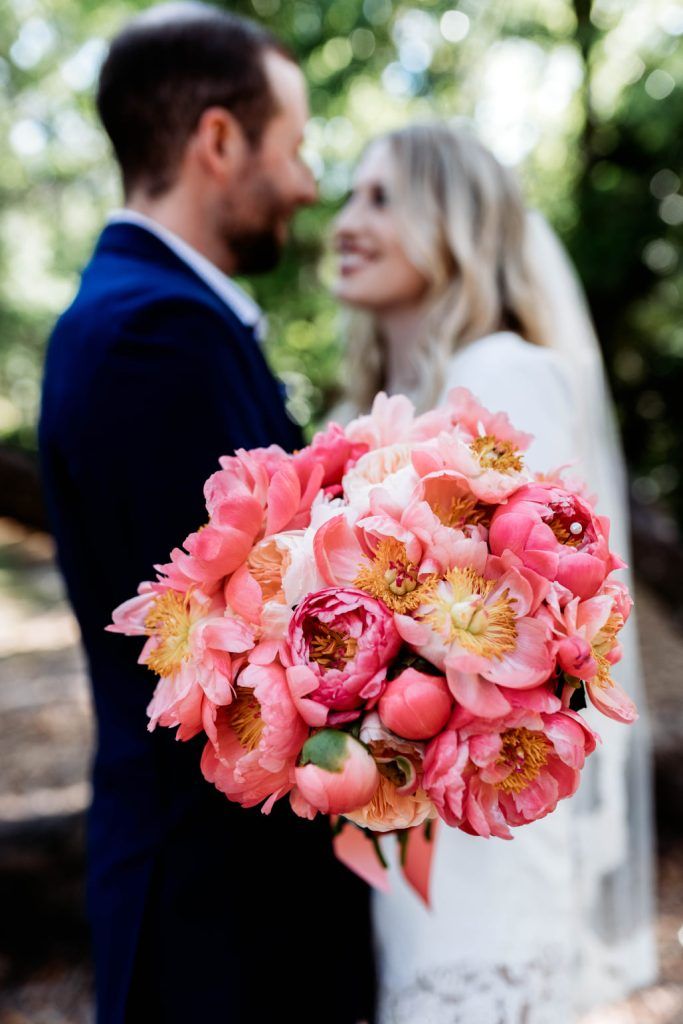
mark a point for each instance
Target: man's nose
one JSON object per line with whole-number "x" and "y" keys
{"x": 308, "y": 187}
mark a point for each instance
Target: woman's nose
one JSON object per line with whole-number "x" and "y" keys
{"x": 348, "y": 220}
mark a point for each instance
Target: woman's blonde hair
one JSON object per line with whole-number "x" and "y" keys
{"x": 463, "y": 222}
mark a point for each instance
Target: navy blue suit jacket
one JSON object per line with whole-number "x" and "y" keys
{"x": 199, "y": 908}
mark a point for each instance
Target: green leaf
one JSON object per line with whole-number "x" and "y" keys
{"x": 326, "y": 749}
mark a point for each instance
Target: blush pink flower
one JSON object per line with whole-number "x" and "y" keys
{"x": 258, "y": 739}
{"x": 482, "y": 634}
{"x": 338, "y": 648}
{"x": 389, "y": 422}
{"x": 482, "y": 447}
{"x": 388, "y": 469}
{"x": 415, "y": 705}
{"x": 485, "y": 775}
{"x": 191, "y": 646}
{"x": 336, "y": 773}
{"x": 557, "y": 534}
{"x": 493, "y": 468}
{"x": 470, "y": 415}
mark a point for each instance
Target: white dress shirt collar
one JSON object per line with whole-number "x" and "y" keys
{"x": 242, "y": 304}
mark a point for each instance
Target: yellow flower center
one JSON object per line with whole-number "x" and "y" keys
{"x": 524, "y": 753}
{"x": 392, "y": 578}
{"x": 459, "y": 609}
{"x": 463, "y": 511}
{"x": 169, "y": 620}
{"x": 496, "y": 454}
{"x": 330, "y": 648}
{"x": 603, "y": 642}
{"x": 245, "y": 718}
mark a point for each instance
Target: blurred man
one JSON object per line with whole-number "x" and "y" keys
{"x": 201, "y": 910}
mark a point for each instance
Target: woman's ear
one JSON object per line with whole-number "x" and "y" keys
{"x": 219, "y": 143}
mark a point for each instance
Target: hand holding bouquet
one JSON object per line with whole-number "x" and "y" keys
{"x": 396, "y": 625}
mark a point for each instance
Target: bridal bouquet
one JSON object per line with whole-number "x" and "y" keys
{"x": 397, "y": 625}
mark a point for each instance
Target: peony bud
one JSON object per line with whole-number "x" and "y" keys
{"x": 336, "y": 773}
{"x": 415, "y": 705}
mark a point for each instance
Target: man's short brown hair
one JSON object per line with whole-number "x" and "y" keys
{"x": 164, "y": 69}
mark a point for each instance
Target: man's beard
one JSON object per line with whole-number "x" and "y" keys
{"x": 253, "y": 237}
{"x": 255, "y": 252}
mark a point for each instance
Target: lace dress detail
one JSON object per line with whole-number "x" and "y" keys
{"x": 531, "y": 992}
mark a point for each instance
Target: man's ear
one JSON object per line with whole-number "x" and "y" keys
{"x": 219, "y": 143}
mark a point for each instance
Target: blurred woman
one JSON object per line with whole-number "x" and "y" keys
{"x": 450, "y": 281}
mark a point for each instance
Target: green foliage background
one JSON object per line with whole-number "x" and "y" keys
{"x": 603, "y": 159}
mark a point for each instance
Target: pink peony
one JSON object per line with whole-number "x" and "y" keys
{"x": 191, "y": 645}
{"x": 415, "y": 705}
{"x": 389, "y": 422}
{"x": 255, "y": 494}
{"x": 468, "y": 414}
{"x": 557, "y": 534}
{"x": 334, "y": 451}
{"x": 484, "y": 634}
{"x": 339, "y": 644}
{"x": 587, "y": 646}
{"x": 485, "y": 775}
{"x": 258, "y": 739}
{"x": 336, "y": 773}
{"x": 482, "y": 447}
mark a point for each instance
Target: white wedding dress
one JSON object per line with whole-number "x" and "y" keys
{"x": 558, "y": 920}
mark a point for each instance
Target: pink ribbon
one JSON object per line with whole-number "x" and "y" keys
{"x": 359, "y": 850}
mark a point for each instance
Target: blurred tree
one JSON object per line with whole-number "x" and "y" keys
{"x": 583, "y": 96}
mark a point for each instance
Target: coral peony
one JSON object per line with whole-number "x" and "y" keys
{"x": 415, "y": 705}
{"x": 485, "y": 775}
{"x": 343, "y": 640}
{"x": 587, "y": 646}
{"x": 258, "y": 739}
{"x": 336, "y": 773}
{"x": 557, "y": 534}
{"x": 191, "y": 643}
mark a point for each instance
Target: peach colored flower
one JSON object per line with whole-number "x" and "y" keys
{"x": 390, "y": 809}
{"x": 399, "y": 801}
